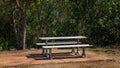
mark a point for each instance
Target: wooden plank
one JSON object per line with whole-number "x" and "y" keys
{"x": 65, "y": 37}
{"x": 56, "y": 43}
{"x": 67, "y": 46}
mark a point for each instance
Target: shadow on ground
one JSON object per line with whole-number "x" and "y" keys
{"x": 63, "y": 55}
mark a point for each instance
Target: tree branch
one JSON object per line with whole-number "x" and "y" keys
{"x": 18, "y": 5}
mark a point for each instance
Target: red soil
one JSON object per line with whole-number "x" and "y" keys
{"x": 35, "y": 57}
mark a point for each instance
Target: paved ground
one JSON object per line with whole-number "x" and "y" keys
{"x": 35, "y": 57}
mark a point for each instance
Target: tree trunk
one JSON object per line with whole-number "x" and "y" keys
{"x": 24, "y": 33}
{"x": 25, "y": 25}
{"x": 15, "y": 29}
{"x": 23, "y": 12}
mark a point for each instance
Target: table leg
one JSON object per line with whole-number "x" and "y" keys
{"x": 46, "y": 53}
{"x": 73, "y": 50}
{"x": 78, "y": 51}
{"x": 50, "y": 54}
{"x": 83, "y": 53}
{"x": 43, "y": 51}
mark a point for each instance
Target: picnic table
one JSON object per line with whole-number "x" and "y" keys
{"x": 62, "y": 44}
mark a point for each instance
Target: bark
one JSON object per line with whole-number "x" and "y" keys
{"x": 23, "y": 12}
{"x": 15, "y": 29}
{"x": 25, "y": 25}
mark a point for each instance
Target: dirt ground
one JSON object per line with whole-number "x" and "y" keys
{"x": 34, "y": 57}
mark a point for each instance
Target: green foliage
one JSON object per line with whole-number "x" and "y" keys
{"x": 97, "y": 19}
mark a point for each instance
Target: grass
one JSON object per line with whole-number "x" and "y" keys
{"x": 113, "y": 53}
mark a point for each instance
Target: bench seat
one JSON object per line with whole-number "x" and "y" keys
{"x": 66, "y": 46}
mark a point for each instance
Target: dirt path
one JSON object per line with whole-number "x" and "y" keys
{"x": 35, "y": 57}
